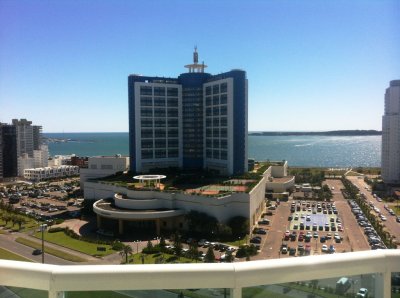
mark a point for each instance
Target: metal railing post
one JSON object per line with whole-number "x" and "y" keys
{"x": 236, "y": 293}
{"x": 383, "y": 284}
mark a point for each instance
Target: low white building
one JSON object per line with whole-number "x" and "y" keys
{"x": 278, "y": 181}
{"x": 103, "y": 166}
{"x": 39, "y": 174}
{"x": 158, "y": 209}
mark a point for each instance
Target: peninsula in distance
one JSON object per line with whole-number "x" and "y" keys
{"x": 318, "y": 133}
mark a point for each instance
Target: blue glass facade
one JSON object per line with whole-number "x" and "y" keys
{"x": 192, "y": 120}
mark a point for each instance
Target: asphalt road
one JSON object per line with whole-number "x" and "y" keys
{"x": 391, "y": 224}
{"x": 8, "y": 242}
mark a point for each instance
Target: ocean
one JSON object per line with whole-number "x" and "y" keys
{"x": 303, "y": 151}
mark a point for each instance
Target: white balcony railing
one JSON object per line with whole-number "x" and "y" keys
{"x": 234, "y": 276}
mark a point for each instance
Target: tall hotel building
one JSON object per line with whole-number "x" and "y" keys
{"x": 194, "y": 121}
{"x": 391, "y": 135}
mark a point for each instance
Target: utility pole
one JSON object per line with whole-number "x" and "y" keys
{"x": 42, "y": 229}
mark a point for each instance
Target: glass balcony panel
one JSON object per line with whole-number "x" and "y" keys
{"x": 395, "y": 281}
{"x": 338, "y": 287}
{"x": 203, "y": 293}
{"x": 22, "y": 292}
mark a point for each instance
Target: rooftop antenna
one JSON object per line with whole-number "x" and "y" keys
{"x": 196, "y": 67}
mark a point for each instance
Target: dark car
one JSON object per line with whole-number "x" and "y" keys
{"x": 292, "y": 251}
{"x": 322, "y": 239}
{"x": 37, "y": 252}
{"x": 256, "y": 240}
{"x": 259, "y": 231}
{"x": 263, "y": 222}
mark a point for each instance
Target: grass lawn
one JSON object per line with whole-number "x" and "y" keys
{"x": 258, "y": 292}
{"x": 151, "y": 259}
{"x": 62, "y": 239}
{"x": 30, "y": 224}
{"x": 396, "y": 210}
{"x": 8, "y": 255}
{"x": 51, "y": 251}
{"x": 95, "y": 294}
{"x": 238, "y": 242}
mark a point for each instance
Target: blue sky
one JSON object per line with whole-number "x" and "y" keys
{"x": 311, "y": 65}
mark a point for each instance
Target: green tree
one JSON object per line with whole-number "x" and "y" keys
{"x": 178, "y": 245}
{"x": 126, "y": 252}
{"x": 229, "y": 257}
{"x": 210, "y": 257}
{"x": 239, "y": 226}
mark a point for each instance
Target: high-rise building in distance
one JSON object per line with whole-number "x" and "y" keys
{"x": 20, "y": 148}
{"x": 194, "y": 121}
{"x": 391, "y": 135}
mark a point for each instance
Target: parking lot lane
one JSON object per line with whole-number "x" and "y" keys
{"x": 353, "y": 231}
{"x": 273, "y": 241}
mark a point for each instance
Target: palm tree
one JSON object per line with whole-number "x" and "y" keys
{"x": 126, "y": 252}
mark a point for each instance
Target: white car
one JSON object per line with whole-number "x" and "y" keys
{"x": 363, "y": 292}
{"x": 324, "y": 248}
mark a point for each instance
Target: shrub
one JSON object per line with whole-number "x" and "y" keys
{"x": 117, "y": 245}
{"x": 55, "y": 230}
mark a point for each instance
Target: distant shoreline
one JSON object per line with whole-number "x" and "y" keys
{"x": 318, "y": 133}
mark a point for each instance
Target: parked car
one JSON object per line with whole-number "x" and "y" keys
{"x": 36, "y": 252}
{"x": 363, "y": 293}
{"x": 324, "y": 248}
{"x": 256, "y": 240}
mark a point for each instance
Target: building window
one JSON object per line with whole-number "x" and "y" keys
{"x": 224, "y": 121}
{"x": 160, "y": 123}
{"x": 161, "y": 154}
{"x": 208, "y": 101}
{"x": 159, "y": 112}
{"x": 224, "y": 155}
{"x": 208, "y": 90}
{"x": 208, "y": 112}
{"x": 147, "y": 133}
{"x": 224, "y": 99}
{"x": 224, "y": 133}
{"x": 172, "y": 91}
{"x": 160, "y": 143}
{"x": 216, "y": 121}
{"x": 146, "y": 101}
{"x": 172, "y": 143}
{"x": 147, "y": 143}
{"x": 208, "y": 143}
{"x": 159, "y": 101}
{"x": 215, "y": 111}
{"x": 147, "y": 123}
{"x": 172, "y": 112}
{"x": 224, "y": 87}
{"x": 215, "y": 100}
{"x": 216, "y": 143}
{"x": 147, "y": 154}
{"x": 146, "y": 112}
{"x": 160, "y": 133}
{"x": 106, "y": 167}
{"x": 224, "y": 144}
{"x": 216, "y": 154}
{"x": 173, "y": 153}
{"x": 215, "y": 89}
{"x": 172, "y": 102}
{"x": 223, "y": 110}
{"x": 172, "y": 122}
{"x": 216, "y": 132}
{"x": 208, "y": 133}
{"x": 159, "y": 91}
{"x": 146, "y": 90}
{"x": 208, "y": 122}
{"x": 208, "y": 153}
{"x": 173, "y": 133}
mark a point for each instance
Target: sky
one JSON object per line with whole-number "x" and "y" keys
{"x": 311, "y": 65}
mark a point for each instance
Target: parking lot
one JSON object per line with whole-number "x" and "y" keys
{"x": 302, "y": 223}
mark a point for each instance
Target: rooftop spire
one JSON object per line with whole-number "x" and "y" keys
{"x": 196, "y": 67}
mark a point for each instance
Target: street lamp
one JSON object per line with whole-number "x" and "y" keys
{"x": 42, "y": 229}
